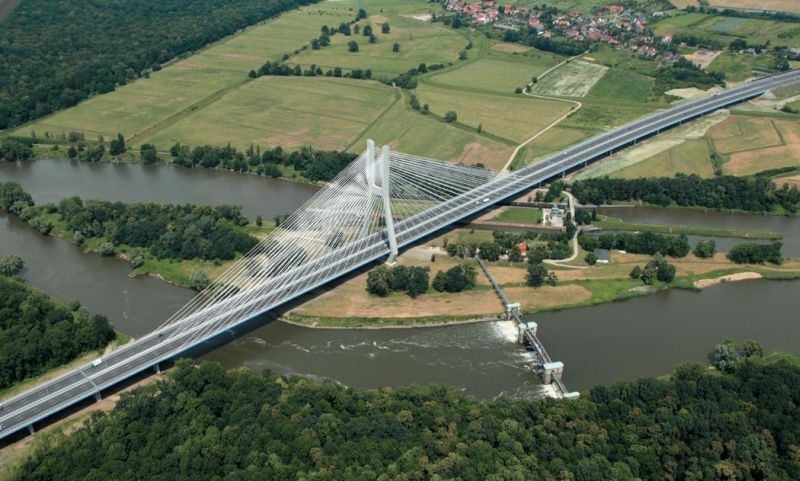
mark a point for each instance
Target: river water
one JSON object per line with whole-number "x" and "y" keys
{"x": 624, "y": 340}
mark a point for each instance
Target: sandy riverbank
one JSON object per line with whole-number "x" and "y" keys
{"x": 739, "y": 276}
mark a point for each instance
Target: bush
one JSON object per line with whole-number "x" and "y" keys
{"x": 450, "y": 116}
{"x": 198, "y": 280}
{"x": 705, "y": 249}
{"x": 590, "y": 258}
{"x": 751, "y": 253}
{"x": 11, "y": 265}
{"x": 107, "y": 249}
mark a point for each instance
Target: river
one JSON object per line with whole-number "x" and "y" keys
{"x": 624, "y": 340}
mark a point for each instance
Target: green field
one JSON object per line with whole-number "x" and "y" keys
{"x": 738, "y": 67}
{"x": 513, "y": 117}
{"x": 554, "y": 140}
{"x": 619, "y": 84}
{"x": 692, "y": 156}
{"x": 725, "y": 29}
{"x": 420, "y": 42}
{"x": 519, "y": 215}
{"x": 285, "y": 111}
{"x": 187, "y": 85}
{"x": 497, "y": 72}
{"x": 413, "y": 133}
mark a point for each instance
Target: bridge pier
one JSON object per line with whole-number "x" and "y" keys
{"x": 31, "y": 430}
{"x": 387, "y": 208}
{"x": 157, "y": 368}
{"x": 551, "y": 368}
{"x": 522, "y": 327}
{"x": 98, "y": 397}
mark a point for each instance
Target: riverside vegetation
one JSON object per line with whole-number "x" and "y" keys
{"x": 738, "y": 421}
{"x": 151, "y": 236}
{"x": 37, "y": 332}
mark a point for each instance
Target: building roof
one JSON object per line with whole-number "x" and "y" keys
{"x": 602, "y": 254}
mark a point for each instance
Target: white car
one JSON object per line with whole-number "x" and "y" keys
{"x": 97, "y": 362}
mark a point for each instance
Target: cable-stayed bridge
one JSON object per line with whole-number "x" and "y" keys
{"x": 380, "y": 203}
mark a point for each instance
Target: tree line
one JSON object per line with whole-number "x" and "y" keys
{"x": 383, "y": 280}
{"x": 754, "y": 194}
{"x": 637, "y": 243}
{"x": 38, "y": 333}
{"x": 313, "y": 164}
{"x": 205, "y": 423}
{"x": 55, "y": 54}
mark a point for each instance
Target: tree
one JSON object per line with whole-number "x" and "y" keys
{"x": 418, "y": 281}
{"x": 198, "y": 280}
{"x": 705, "y": 249}
{"x": 11, "y": 265}
{"x": 352, "y": 46}
{"x": 590, "y": 258}
{"x": 752, "y": 349}
{"x": 450, "y": 116}
{"x": 367, "y": 31}
{"x": 385, "y": 28}
{"x": 117, "y": 146}
{"x": 148, "y": 154}
{"x": 107, "y": 249}
{"x": 379, "y": 281}
{"x": 400, "y": 276}
{"x": 72, "y": 152}
{"x": 456, "y": 22}
{"x": 259, "y": 221}
{"x": 648, "y": 275}
{"x": 515, "y": 254}
{"x": 396, "y": 47}
{"x": 537, "y": 274}
{"x": 362, "y": 14}
{"x": 518, "y": 90}
{"x": 462, "y": 55}
{"x": 439, "y": 281}
{"x": 635, "y": 273}
{"x": 490, "y": 251}
{"x": 373, "y": 39}
{"x": 725, "y": 356}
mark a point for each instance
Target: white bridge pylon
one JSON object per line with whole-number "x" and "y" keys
{"x": 359, "y": 211}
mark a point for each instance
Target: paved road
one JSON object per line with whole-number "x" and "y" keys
{"x": 144, "y": 353}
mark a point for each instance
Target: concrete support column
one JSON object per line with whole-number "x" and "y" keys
{"x": 387, "y": 208}
{"x": 157, "y": 368}
{"x": 30, "y": 429}
{"x": 551, "y": 368}
{"x": 98, "y": 397}
{"x": 521, "y": 332}
{"x": 369, "y": 178}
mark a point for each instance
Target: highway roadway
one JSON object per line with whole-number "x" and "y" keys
{"x": 49, "y": 398}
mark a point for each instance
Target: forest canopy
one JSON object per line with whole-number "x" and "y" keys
{"x": 39, "y": 333}
{"x": 55, "y": 53}
{"x": 204, "y": 423}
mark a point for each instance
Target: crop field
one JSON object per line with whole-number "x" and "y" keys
{"x": 513, "y": 117}
{"x": 725, "y": 29}
{"x": 776, "y": 5}
{"x": 414, "y": 133}
{"x": 420, "y": 42}
{"x": 573, "y": 79}
{"x": 619, "y": 84}
{"x": 740, "y": 134}
{"x": 759, "y": 157}
{"x": 497, "y": 72}
{"x": 692, "y": 156}
{"x": 184, "y": 86}
{"x": 284, "y": 111}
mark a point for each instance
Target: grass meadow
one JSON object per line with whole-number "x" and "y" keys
{"x": 269, "y": 111}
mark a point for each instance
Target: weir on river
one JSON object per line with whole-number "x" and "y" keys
{"x": 549, "y": 371}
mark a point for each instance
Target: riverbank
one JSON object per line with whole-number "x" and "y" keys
{"x": 593, "y": 285}
{"x": 612, "y": 223}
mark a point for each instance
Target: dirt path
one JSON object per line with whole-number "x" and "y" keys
{"x": 576, "y": 106}
{"x": 575, "y": 250}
